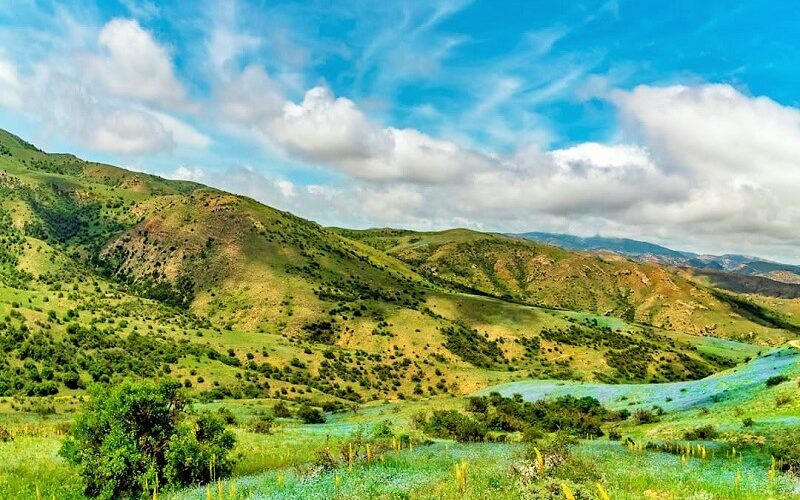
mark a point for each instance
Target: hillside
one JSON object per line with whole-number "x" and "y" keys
{"x": 107, "y": 273}
{"x": 539, "y": 274}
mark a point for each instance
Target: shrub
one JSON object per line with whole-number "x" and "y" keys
{"x": 748, "y": 422}
{"x": 310, "y": 415}
{"x": 549, "y": 463}
{"x": 642, "y": 416}
{"x": 454, "y": 425}
{"x": 776, "y": 380}
{"x": 139, "y": 434}
{"x": 227, "y": 416}
{"x": 263, "y": 425}
{"x": 785, "y": 447}
{"x": 198, "y": 451}
{"x": 71, "y": 380}
{"x": 782, "y": 399}
{"x": 703, "y": 432}
{"x": 281, "y": 411}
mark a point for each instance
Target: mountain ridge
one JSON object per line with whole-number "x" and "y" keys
{"x": 643, "y": 250}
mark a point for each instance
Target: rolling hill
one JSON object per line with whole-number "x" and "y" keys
{"x": 107, "y": 273}
{"x": 543, "y": 275}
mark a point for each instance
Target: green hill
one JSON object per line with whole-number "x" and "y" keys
{"x": 539, "y": 274}
{"x": 107, "y": 273}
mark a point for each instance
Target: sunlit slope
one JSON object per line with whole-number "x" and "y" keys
{"x": 544, "y": 275}
{"x": 306, "y": 311}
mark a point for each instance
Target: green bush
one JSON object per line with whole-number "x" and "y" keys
{"x": 451, "y": 424}
{"x": 310, "y": 415}
{"x": 281, "y": 411}
{"x": 198, "y": 451}
{"x": 137, "y": 435}
{"x": 263, "y": 425}
{"x": 776, "y": 380}
{"x": 785, "y": 447}
{"x": 704, "y": 432}
{"x": 642, "y": 416}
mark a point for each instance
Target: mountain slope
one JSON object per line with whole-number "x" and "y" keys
{"x": 544, "y": 275}
{"x": 106, "y": 273}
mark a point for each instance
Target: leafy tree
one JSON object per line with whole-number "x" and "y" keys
{"x": 138, "y": 435}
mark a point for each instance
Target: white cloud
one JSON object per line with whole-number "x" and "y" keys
{"x": 135, "y": 65}
{"x": 182, "y": 133}
{"x": 127, "y": 132}
{"x": 10, "y": 86}
{"x": 335, "y": 132}
{"x": 143, "y": 10}
{"x": 740, "y": 154}
{"x": 715, "y": 129}
{"x": 102, "y": 97}
{"x": 189, "y": 173}
{"x": 706, "y": 165}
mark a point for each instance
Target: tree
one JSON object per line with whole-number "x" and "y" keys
{"x": 138, "y": 435}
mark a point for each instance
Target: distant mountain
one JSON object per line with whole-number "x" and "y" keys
{"x": 642, "y": 250}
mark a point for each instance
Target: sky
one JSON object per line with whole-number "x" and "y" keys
{"x": 673, "y": 122}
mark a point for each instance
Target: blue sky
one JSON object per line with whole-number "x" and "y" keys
{"x": 676, "y": 122}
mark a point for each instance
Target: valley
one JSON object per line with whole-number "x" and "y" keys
{"x": 109, "y": 276}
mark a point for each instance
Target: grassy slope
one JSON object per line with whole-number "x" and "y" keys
{"x": 262, "y": 276}
{"x": 553, "y": 277}
{"x": 742, "y": 383}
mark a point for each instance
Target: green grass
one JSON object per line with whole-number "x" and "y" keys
{"x": 733, "y": 386}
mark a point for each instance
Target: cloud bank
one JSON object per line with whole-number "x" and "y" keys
{"x": 700, "y": 165}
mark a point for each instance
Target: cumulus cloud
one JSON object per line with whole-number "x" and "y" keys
{"x": 105, "y": 97}
{"x": 698, "y": 164}
{"x": 714, "y": 128}
{"x": 739, "y": 152}
{"x": 334, "y": 131}
{"x": 134, "y": 65}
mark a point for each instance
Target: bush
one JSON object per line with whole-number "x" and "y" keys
{"x": 454, "y": 425}
{"x": 281, "y": 411}
{"x": 559, "y": 466}
{"x": 263, "y": 425}
{"x": 785, "y": 447}
{"x": 310, "y": 415}
{"x": 198, "y": 451}
{"x": 642, "y": 416}
{"x": 71, "y": 380}
{"x": 776, "y": 380}
{"x": 782, "y": 399}
{"x": 138, "y": 434}
{"x": 227, "y": 416}
{"x": 701, "y": 433}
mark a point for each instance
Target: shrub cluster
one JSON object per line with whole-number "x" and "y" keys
{"x": 495, "y": 413}
{"x": 138, "y": 435}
